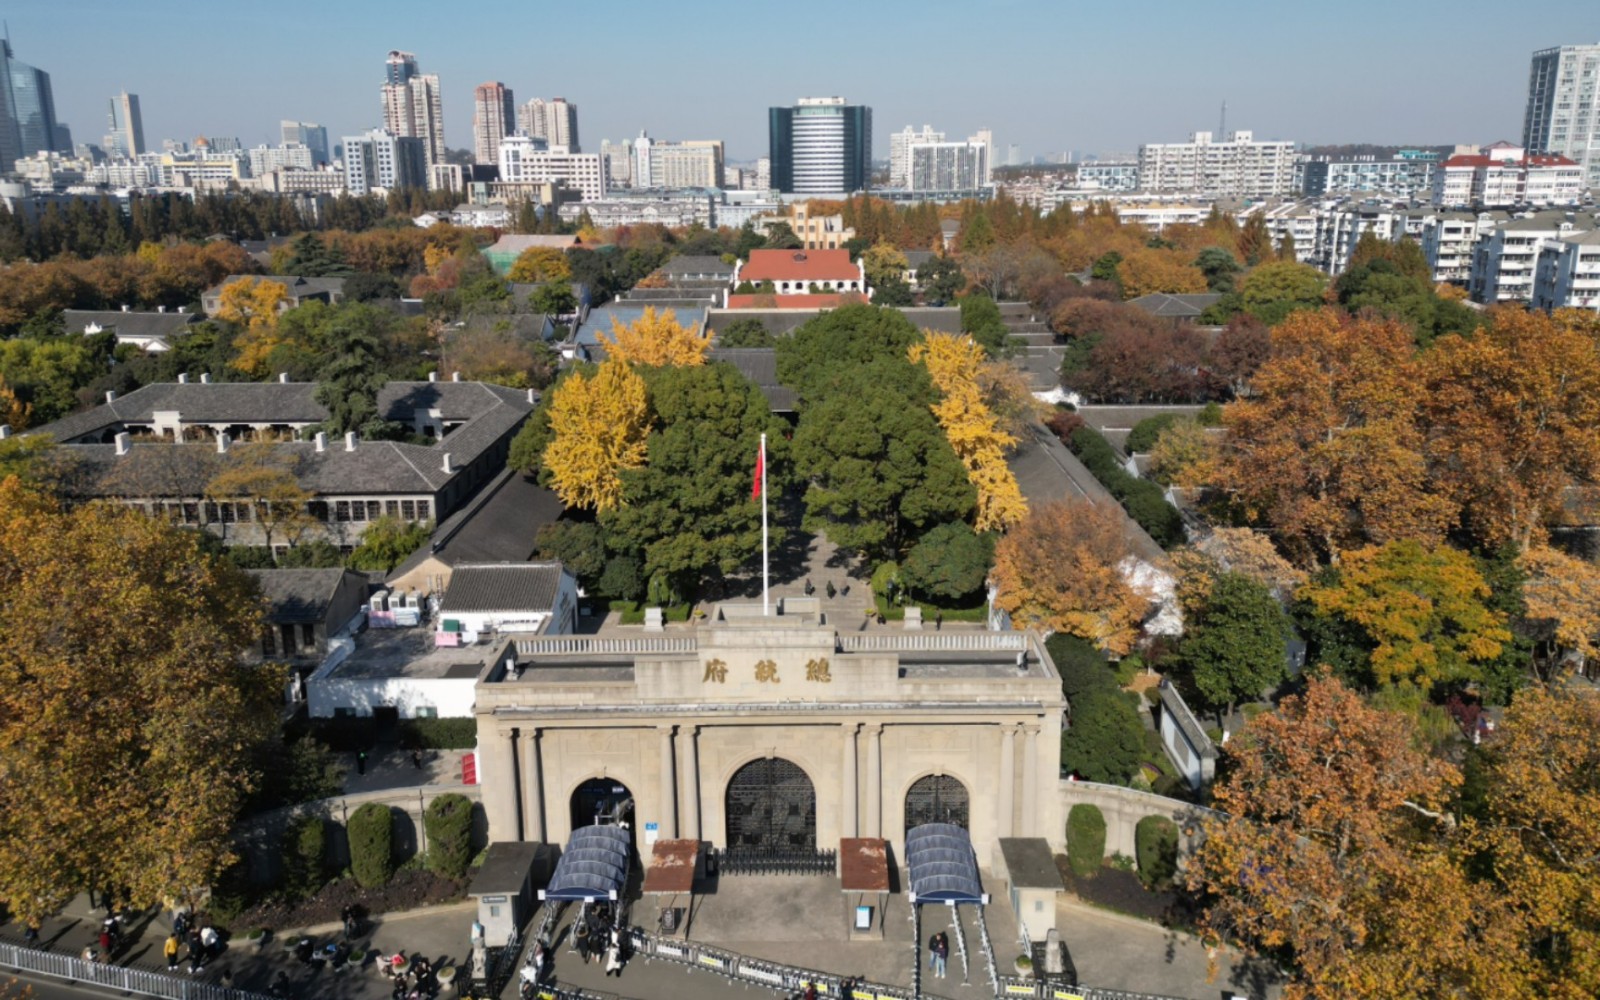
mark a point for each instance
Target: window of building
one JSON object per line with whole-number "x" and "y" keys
{"x": 391, "y": 508}
{"x": 308, "y": 636}
{"x": 266, "y": 643}
{"x": 422, "y": 510}
{"x": 318, "y": 509}
{"x": 374, "y": 510}
{"x": 408, "y": 510}
{"x": 427, "y": 712}
{"x": 341, "y": 510}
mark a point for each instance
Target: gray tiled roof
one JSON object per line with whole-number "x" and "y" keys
{"x": 698, "y": 265}
{"x": 502, "y": 587}
{"x": 917, "y": 258}
{"x": 297, "y": 286}
{"x": 1178, "y": 306}
{"x": 299, "y": 595}
{"x": 131, "y": 323}
{"x": 759, "y": 365}
{"x": 169, "y": 470}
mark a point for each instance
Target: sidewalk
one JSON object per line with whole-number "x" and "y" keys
{"x": 440, "y": 934}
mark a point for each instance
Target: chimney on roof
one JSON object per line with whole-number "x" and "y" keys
{"x": 349, "y": 440}
{"x": 455, "y": 376}
{"x": 222, "y": 443}
{"x": 533, "y": 396}
{"x": 111, "y": 395}
{"x": 183, "y": 378}
{"x": 124, "y": 307}
{"x": 180, "y": 309}
{"x": 205, "y": 378}
{"x": 283, "y": 376}
{"x": 446, "y": 467}
{"x": 122, "y": 440}
{"x": 433, "y": 376}
{"x": 322, "y": 442}
{"x": 161, "y": 309}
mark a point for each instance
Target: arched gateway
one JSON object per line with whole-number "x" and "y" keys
{"x": 937, "y": 798}
{"x": 771, "y": 806}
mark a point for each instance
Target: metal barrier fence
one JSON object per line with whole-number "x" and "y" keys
{"x": 775, "y": 861}
{"x": 117, "y": 977}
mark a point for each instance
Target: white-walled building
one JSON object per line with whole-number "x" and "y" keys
{"x": 1448, "y": 239}
{"x": 1236, "y": 167}
{"x": 947, "y": 166}
{"x": 1109, "y": 175}
{"x": 1563, "y": 114}
{"x": 525, "y": 160}
{"x": 1404, "y": 177}
{"x": 555, "y": 121}
{"x": 1504, "y": 264}
{"x": 900, "y": 144}
{"x": 290, "y": 156}
{"x": 1567, "y": 275}
{"x": 378, "y": 159}
{"x": 1503, "y": 176}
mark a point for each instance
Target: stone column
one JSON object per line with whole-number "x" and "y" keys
{"x": 852, "y": 798}
{"x": 669, "y": 792}
{"x": 874, "y": 822}
{"x": 498, "y": 776}
{"x": 691, "y": 782}
{"x": 533, "y": 827}
{"x": 1008, "y": 776}
{"x": 1030, "y": 782}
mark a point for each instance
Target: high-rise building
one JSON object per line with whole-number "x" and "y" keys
{"x": 493, "y": 118}
{"x": 378, "y": 159}
{"x": 1563, "y": 116}
{"x": 985, "y": 137}
{"x": 947, "y": 166}
{"x": 28, "y": 118}
{"x": 555, "y": 121}
{"x": 308, "y": 134}
{"x": 650, "y": 163}
{"x": 412, "y": 105}
{"x": 899, "y": 155}
{"x": 820, "y": 146}
{"x": 126, "y": 136}
{"x": 526, "y": 160}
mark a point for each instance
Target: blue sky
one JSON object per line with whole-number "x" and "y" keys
{"x": 1049, "y": 75}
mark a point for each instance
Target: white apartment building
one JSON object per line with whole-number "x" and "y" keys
{"x": 1503, "y": 176}
{"x": 1109, "y": 175}
{"x": 947, "y": 166}
{"x": 618, "y": 160}
{"x": 900, "y": 144}
{"x": 378, "y": 159}
{"x": 291, "y": 156}
{"x": 286, "y": 181}
{"x": 1403, "y": 177}
{"x": 1448, "y": 239}
{"x": 1237, "y": 167}
{"x": 1504, "y": 264}
{"x": 1301, "y": 222}
{"x": 555, "y": 121}
{"x": 1567, "y": 275}
{"x": 1563, "y": 114}
{"x": 494, "y": 115}
{"x": 653, "y": 163}
{"x": 526, "y": 160}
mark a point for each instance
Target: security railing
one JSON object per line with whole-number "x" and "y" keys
{"x": 116, "y": 977}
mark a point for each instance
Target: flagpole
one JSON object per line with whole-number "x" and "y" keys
{"x": 765, "y": 605}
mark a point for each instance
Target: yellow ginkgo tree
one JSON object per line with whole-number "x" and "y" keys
{"x": 954, "y": 361}
{"x": 598, "y": 425}
{"x": 657, "y": 340}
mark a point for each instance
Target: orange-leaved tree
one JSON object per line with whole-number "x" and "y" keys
{"x": 1062, "y": 568}
{"x": 1562, "y": 596}
{"x": 1330, "y": 854}
{"x": 127, "y": 716}
{"x": 655, "y": 339}
{"x": 955, "y": 362}
{"x": 598, "y": 426}
{"x": 1513, "y": 419}
{"x": 1327, "y": 453}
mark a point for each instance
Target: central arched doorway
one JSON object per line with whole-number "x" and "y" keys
{"x": 601, "y": 801}
{"x": 938, "y": 798}
{"x": 771, "y": 807}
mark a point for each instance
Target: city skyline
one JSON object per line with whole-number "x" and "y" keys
{"x": 1066, "y": 82}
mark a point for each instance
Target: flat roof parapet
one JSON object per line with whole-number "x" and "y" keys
{"x": 928, "y": 642}
{"x": 594, "y": 645}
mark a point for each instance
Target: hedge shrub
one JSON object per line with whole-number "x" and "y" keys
{"x": 1156, "y": 843}
{"x": 1082, "y": 667}
{"x": 1086, "y": 839}
{"x": 304, "y": 862}
{"x": 1144, "y": 501}
{"x": 439, "y": 734}
{"x": 448, "y": 822}
{"x": 371, "y": 832}
{"x": 1143, "y": 436}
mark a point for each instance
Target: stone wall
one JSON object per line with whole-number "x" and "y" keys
{"x": 1123, "y": 808}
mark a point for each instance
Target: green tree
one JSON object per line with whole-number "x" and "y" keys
{"x": 949, "y": 563}
{"x": 1155, "y": 841}
{"x": 553, "y": 298}
{"x": 349, "y": 382}
{"x": 448, "y": 822}
{"x": 313, "y": 258}
{"x": 687, "y": 511}
{"x": 941, "y": 280}
{"x": 1275, "y": 289}
{"x": 1106, "y": 738}
{"x": 1220, "y": 268}
{"x": 745, "y": 333}
{"x": 977, "y": 233}
{"x": 980, "y": 318}
{"x": 893, "y": 291}
{"x": 578, "y": 545}
{"x": 1086, "y": 839}
{"x": 387, "y": 542}
{"x": 828, "y": 349}
{"x": 371, "y": 830}
{"x": 1238, "y": 646}
{"x": 780, "y": 236}
{"x": 883, "y": 263}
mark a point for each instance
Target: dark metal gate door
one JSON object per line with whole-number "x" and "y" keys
{"x": 772, "y": 806}
{"x": 938, "y": 798}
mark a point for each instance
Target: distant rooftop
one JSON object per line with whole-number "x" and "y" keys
{"x": 410, "y": 653}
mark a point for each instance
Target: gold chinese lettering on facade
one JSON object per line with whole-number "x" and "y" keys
{"x": 716, "y": 671}
{"x": 766, "y": 672}
{"x": 817, "y": 670}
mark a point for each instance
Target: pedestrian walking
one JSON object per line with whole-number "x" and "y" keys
{"x": 210, "y": 942}
{"x": 105, "y": 945}
{"x": 614, "y": 954}
{"x": 809, "y": 588}
{"x": 197, "y": 953}
{"x": 416, "y": 759}
{"x": 170, "y": 950}
{"x": 831, "y": 590}
{"x": 30, "y": 937}
{"x": 938, "y": 620}
{"x": 941, "y": 953}
{"x": 361, "y": 762}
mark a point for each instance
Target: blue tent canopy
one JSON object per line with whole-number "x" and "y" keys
{"x": 594, "y": 866}
{"x": 943, "y": 866}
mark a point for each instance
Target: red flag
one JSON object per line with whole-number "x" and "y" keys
{"x": 761, "y": 469}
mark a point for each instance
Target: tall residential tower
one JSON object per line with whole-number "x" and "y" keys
{"x": 126, "y": 137}
{"x": 494, "y": 117}
{"x": 820, "y": 146}
{"x": 555, "y": 121}
{"x": 412, "y": 106}
{"x": 1563, "y": 116}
